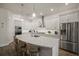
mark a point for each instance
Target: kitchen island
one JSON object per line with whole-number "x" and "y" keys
{"x": 42, "y": 41}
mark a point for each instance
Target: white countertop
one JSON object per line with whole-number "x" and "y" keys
{"x": 41, "y": 41}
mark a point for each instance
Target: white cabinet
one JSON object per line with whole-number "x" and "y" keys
{"x": 70, "y": 17}
{"x": 6, "y": 28}
{"x": 18, "y": 23}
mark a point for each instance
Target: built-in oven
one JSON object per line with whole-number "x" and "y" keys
{"x": 18, "y": 30}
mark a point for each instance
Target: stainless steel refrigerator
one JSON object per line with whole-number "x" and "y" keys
{"x": 69, "y": 38}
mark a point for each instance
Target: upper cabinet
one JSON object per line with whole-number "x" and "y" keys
{"x": 69, "y": 17}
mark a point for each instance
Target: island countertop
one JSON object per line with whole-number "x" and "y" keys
{"x": 43, "y": 41}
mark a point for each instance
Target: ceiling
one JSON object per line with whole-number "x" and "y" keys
{"x": 27, "y": 8}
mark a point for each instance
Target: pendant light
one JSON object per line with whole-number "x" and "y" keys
{"x": 33, "y": 14}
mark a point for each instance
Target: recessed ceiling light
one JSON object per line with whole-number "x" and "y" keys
{"x": 66, "y": 4}
{"x": 51, "y": 9}
{"x": 34, "y": 15}
{"x": 41, "y": 13}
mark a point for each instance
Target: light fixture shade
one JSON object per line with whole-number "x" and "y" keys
{"x": 34, "y": 15}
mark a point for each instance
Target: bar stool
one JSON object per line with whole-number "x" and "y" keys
{"x": 33, "y": 50}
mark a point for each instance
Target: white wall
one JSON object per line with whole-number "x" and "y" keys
{"x": 18, "y": 19}
{"x": 27, "y": 25}
{"x": 6, "y": 27}
{"x": 52, "y": 22}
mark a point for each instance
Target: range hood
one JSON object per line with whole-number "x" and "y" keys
{"x": 43, "y": 24}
